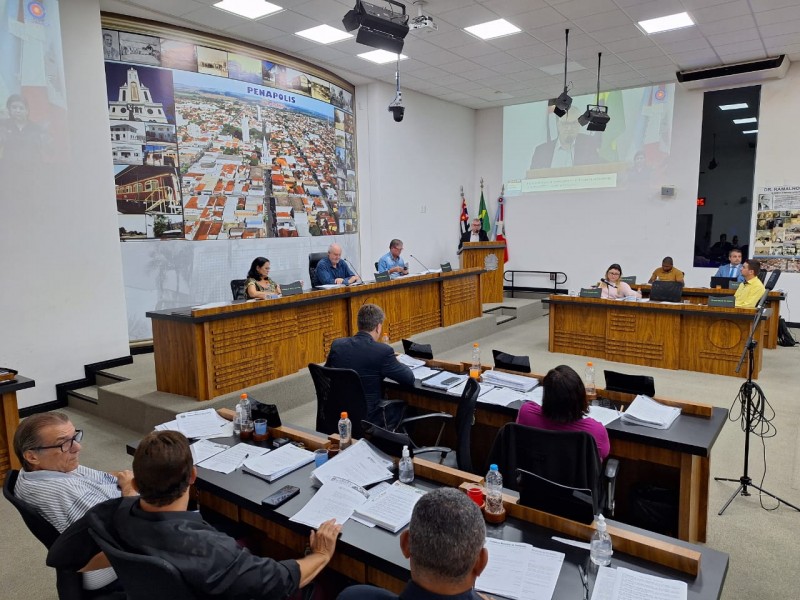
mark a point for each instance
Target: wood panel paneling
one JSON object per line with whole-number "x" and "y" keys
{"x": 461, "y": 299}
{"x": 487, "y": 256}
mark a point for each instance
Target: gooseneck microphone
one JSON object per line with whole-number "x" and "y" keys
{"x": 354, "y": 270}
{"x": 608, "y": 283}
{"x": 420, "y": 262}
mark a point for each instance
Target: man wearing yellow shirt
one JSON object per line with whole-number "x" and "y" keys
{"x": 751, "y": 289}
{"x": 667, "y": 272}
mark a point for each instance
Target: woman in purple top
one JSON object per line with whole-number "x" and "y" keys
{"x": 564, "y": 408}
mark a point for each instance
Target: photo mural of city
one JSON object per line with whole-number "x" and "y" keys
{"x": 210, "y": 144}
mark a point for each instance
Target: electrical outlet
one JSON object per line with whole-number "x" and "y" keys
{"x": 552, "y": 276}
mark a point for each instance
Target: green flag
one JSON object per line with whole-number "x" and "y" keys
{"x": 483, "y": 215}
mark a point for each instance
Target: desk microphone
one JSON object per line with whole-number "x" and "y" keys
{"x": 607, "y": 282}
{"x": 420, "y": 262}
{"x": 354, "y": 270}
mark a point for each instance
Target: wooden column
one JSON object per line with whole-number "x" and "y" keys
{"x": 487, "y": 256}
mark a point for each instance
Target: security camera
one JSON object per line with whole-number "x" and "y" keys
{"x": 396, "y": 107}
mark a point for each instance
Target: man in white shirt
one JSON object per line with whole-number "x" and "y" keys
{"x": 53, "y": 482}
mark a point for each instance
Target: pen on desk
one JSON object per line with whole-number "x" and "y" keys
{"x": 585, "y": 581}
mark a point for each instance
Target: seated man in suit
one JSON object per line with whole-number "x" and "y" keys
{"x": 59, "y": 488}
{"x": 445, "y": 545}
{"x": 158, "y": 524}
{"x": 667, "y": 272}
{"x": 734, "y": 268}
{"x": 751, "y": 289}
{"x": 373, "y": 361}
{"x": 475, "y": 233}
{"x": 333, "y": 269}
{"x": 391, "y": 262}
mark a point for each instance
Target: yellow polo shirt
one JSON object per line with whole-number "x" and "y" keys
{"x": 749, "y": 293}
{"x": 662, "y": 275}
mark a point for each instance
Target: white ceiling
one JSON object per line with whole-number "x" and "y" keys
{"x": 455, "y": 66}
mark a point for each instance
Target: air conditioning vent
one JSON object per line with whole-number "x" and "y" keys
{"x": 735, "y": 74}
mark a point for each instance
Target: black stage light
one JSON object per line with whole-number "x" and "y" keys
{"x": 596, "y": 117}
{"x": 351, "y": 20}
{"x": 378, "y": 27}
{"x": 563, "y": 102}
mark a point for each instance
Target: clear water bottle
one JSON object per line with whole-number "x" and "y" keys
{"x": 406, "y": 467}
{"x": 345, "y": 431}
{"x": 385, "y": 337}
{"x": 600, "y": 548}
{"x": 494, "y": 491}
{"x": 588, "y": 382}
{"x": 247, "y": 408}
{"x": 237, "y": 421}
{"x": 475, "y": 368}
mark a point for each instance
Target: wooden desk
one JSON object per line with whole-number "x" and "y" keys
{"x": 693, "y": 337}
{"x": 700, "y": 296}
{"x": 203, "y": 352}
{"x": 372, "y": 555}
{"x": 488, "y": 256}
{"x": 679, "y": 456}
{"x": 9, "y": 420}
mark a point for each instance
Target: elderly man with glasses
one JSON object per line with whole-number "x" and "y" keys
{"x": 54, "y": 483}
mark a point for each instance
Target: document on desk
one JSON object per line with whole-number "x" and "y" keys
{"x": 232, "y": 458}
{"x": 410, "y": 361}
{"x": 444, "y": 380}
{"x": 520, "y": 571}
{"x": 280, "y": 462}
{"x": 502, "y": 396}
{"x": 203, "y": 449}
{"x": 520, "y": 383}
{"x": 360, "y": 464}
{"x": 391, "y": 507}
{"x": 200, "y": 423}
{"x": 337, "y": 499}
{"x": 625, "y": 584}
{"x": 421, "y": 373}
{"x": 459, "y": 389}
{"x": 603, "y": 414}
{"x": 646, "y": 411}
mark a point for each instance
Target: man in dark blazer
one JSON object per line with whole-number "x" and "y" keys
{"x": 571, "y": 149}
{"x": 373, "y": 361}
{"x": 475, "y": 229}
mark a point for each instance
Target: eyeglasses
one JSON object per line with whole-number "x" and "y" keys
{"x": 65, "y": 446}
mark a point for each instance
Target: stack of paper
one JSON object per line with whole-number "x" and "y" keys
{"x": 360, "y": 464}
{"x": 520, "y": 383}
{"x": 391, "y": 507}
{"x": 199, "y": 424}
{"x": 622, "y": 583}
{"x": 646, "y": 411}
{"x": 444, "y": 380}
{"x": 337, "y": 499}
{"x": 410, "y": 361}
{"x": 502, "y": 396}
{"x": 278, "y": 463}
{"x": 603, "y": 414}
{"x": 231, "y": 459}
{"x": 203, "y": 449}
{"x": 520, "y": 571}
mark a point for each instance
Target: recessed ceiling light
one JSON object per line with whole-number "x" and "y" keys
{"x": 668, "y": 23}
{"x": 324, "y": 34}
{"x": 381, "y": 56}
{"x": 252, "y": 9}
{"x": 492, "y": 29}
{"x": 733, "y": 106}
{"x": 559, "y": 68}
{"x": 751, "y": 131}
{"x": 747, "y": 120}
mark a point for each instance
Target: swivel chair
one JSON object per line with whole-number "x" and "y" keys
{"x": 416, "y": 350}
{"x": 773, "y": 279}
{"x": 237, "y": 289}
{"x": 313, "y": 260}
{"x": 630, "y": 384}
{"x": 509, "y": 362}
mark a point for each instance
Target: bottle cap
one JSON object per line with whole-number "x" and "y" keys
{"x": 243, "y": 396}
{"x": 406, "y": 453}
{"x": 601, "y": 523}
{"x": 493, "y": 467}
{"x": 475, "y": 345}
{"x": 588, "y": 364}
{"x": 344, "y": 415}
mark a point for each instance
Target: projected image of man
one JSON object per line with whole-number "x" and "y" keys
{"x": 571, "y": 147}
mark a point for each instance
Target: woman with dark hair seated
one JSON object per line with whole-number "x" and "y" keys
{"x": 258, "y": 284}
{"x": 564, "y": 408}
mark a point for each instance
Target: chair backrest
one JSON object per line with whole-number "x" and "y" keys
{"x": 390, "y": 442}
{"x": 509, "y": 362}
{"x": 666, "y": 291}
{"x": 143, "y": 577}
{"x": 630, "y": 384}
{"x": 551, "y": 497}
{"x": 773, "y": 279}
{"x": 762, "y": 275}
{"x": 237, "y": 289}
{"x": 338, "y": 390}
{"x": 313, "y": 259}
{"x": 567, "y": 458}
{"x": 465, "y": 418}
{"x": 421, "y": 351}
{"x": 68, "y": 583}
{"x": 376, "y": 267}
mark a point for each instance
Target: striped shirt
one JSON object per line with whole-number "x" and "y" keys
{"x": 63, "y": 498}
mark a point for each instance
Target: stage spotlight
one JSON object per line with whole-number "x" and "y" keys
{"x": 379, "y": 27}
{"x": 564, "y": 101}
{"x": 596, "y": 117}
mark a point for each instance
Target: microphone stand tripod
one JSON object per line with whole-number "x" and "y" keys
{"x": 749, "y": 409}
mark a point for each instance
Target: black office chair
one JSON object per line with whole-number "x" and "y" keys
{"x": 416, "y": 350}
{"x": 313, "y": 260}
{"x": 69, "y": 584}
{"x": 340, "y": 390}
{"x": 392, "y": 442}
{"x": 762, "y": 275}
{"x": 562, "y": 458}
{"x": 143, "y": 577}
{"x": 237, "y": 289}
{"x": 376, "y": 268}
{"x": 509, "y": 362}
{"x": 630, "y": 384}
{"x": 773, "y": 279}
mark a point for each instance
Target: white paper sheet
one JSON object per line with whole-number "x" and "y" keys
{"x": 337, "y": 499}
{"x": 438, "y": 380}
{"x": 520, "y": 571}
{"x": 232, "y": 458}
{"x": 391, "y": 508}
{"x": 520, "y": 383}
{"x": 359, "y": 464}
{"x": 279, "y": 462}
{"x": 502, "y": 396}
{"x": 423, "y": 372}
{"x": 603, "y": 414}
{"x": 203, "y": 449}
{"x": 410, "y": 361}
{"x": 200, "y": 423}
{"x": 625, "y": 584}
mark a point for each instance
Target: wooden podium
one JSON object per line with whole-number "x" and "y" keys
{"x": 9, "y": 420}
{"x": 489, "y": 257}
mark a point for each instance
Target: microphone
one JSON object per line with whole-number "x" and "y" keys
{"x": 354, "y": 270}
{"x": 607, "y": 282}
{"x": 420, "y": 262}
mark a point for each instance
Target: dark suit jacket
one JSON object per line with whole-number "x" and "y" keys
{"x": 482, "y": 235}
{"x": 373, "y": 361}
{"x": 586, "y": 147}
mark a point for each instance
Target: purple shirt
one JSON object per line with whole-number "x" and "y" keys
{"x": 531, "y": 415}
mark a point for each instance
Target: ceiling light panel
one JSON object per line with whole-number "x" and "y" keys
{"x": 324, "y": 34}
{"x": 381, "y": 57}
{"x": 250, "y": 9}
{"x": 751, "y": 131}
{"x": 492, "y": 29}
{"x": 668, "y": 23}
{"x": 747, "y": 120}
{"x": 738, "y": 106}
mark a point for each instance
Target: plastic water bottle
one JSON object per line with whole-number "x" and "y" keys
{"x": 345, "y": 432}
{"x": 237, "y": 421}
{"x": 246, "y": 406}
{"x": 600, "y": 548}
{"x": 494, "y": 491}
{"x": 588, "y": 382}
{"x": 406, "y": 467}
{"x": 385, "y": 338}
{"x": 475, "y": 369}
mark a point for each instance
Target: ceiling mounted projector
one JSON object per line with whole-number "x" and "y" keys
{"x": 382, "y": 27}
{"x": 422, "y": 21}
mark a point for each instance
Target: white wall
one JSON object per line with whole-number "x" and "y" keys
{"x": 61, "y": 298}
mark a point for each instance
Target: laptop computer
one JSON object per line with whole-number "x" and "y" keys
{"x": 666, "y": 291}
{"x": 722, "y": 282}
